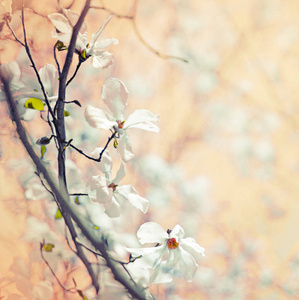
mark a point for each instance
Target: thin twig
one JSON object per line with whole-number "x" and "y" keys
{"x": 74, "y": 75}
{"x": 63, "y": 199}
{"x": 56, "y": 60}
{"x": 102, "y": 152}
{"x": 70, "y": 290}
{"x": 132, "y": 19}
{"x": 34, "y": 67}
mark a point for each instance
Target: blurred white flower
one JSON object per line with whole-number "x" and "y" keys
{"x": 22, "y": 92}
{"x": 115, "y": 96}
{"x": 64, "y": 28}
{"x": 108, "y": 191}
{"x": 172, "y": 254}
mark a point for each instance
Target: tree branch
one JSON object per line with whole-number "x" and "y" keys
{"x": 63, "y": 199}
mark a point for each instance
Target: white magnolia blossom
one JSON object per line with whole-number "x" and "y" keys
{"x": 108, "y": 191}
{"x": 64, "y": 28}
{"x": 115, "y": 96}
{"x": 172, "y": 254}
{"x": 22, "y": 92}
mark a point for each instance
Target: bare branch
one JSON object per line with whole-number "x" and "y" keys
{"x": 67, "y": 210}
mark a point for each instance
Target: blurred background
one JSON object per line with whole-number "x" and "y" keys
{"x": 225, "y": 165}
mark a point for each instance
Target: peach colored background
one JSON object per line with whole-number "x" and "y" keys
{"x": 229, "y": 115}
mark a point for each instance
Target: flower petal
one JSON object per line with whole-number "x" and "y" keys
{"x": 113, "y": 210}
{"x": 105, "y": 43}
{"x": 177, "y": 232}
{"x": 96, "y": 35}
{"x": 97, "y": 189}
{"x": 60, "y": 22}
{"x": 49, "y": 77}
{"x": 190, "y": 245}
{"x": 124, "y": 148}
{"x": 121, "y": 173}
{"x": 98, "y": 118}
{"x": 151, "y": 256}
{"x": 105, "y": 165}
{"x": 10, "y": 71}
{"x": 101, "y": 59}
{"x": 127, "y": 192}
{"x": 151, "y": 232}
{"x": 142, "y": 119}
{"x": 73, "y": 18}
{"x": 186, "y": 264}
{"x": 115, "y": 96}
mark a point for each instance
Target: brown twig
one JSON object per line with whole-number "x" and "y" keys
{"x": 132, "y": 19}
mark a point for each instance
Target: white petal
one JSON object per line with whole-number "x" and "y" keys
{"x": 151, "y": 256}
{"x": 151, "y": 232}
{"x": 62, "y": 36}
{"x": 161, "y": 274}
{"x": 73, "y": 18}
{"x": 97, "y": 189}
{"x": 186, "y": 264}
{"x": 10, "y": 70}
{"x": 105, "y": 43}
{"x": 124, "y": 148}
{"x": 102, "y": 59}
{"x": 113, "y": 210}
{"x": 98, "y": 118}
{"x": 127, "y": 192}
{"x": 49, "y": 77}
{"x": 190, "y": 245}
{"x": 142, "y": 119}
{"x": 60, "y": 22}
{"x": 121, "y": 173}
{"x": 115, "y": 96}
{"x": 177, "y": 232}
{"x": 105, "y": 165}
{"x": 96, "y": 35}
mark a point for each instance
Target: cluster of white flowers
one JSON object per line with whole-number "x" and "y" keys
{"x": 172, "y": 254}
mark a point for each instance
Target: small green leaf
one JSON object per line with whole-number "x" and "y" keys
{"x": 43, "y": 150}
{"x": 66, "y": 113}
{"x": 34, "y": 103}
{"x": 48, "y": 247}
{"x": 77, "y": 200}
{"x": 82, "y": 295}
{"x": 58, "y": 215}
{"x": 115, "y": 143}
{"x": 96, "y": 227}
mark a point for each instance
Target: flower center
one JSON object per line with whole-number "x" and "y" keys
{"x": 120, "y": 124}
{"x": 172, "y": 243}
{"x": 113, "y": 186}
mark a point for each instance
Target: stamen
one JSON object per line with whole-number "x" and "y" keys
{"x": 172, "y": 243}
{"x": 113, "y": 186}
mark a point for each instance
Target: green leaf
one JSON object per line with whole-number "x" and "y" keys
{"x": 82, "y": 295}
{"x": 66, "y": 113}
{"x": 58, "y": 215}
{"x": 48, "y": 247}
{"x": 96, "y": 227}
{"x": 115, "y": 143}
{"x": 43, "y": 150}
{"x": 34, "y": 103}
{"x": 77, "y": 200}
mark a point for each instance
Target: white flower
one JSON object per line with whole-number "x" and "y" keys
{"x": 172, "y": 254}
{"x": 64, "y": 29}
{"x": 108, "y": 191}
{"x": 23, "y": 92}
{"x": 115, "y": 96}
